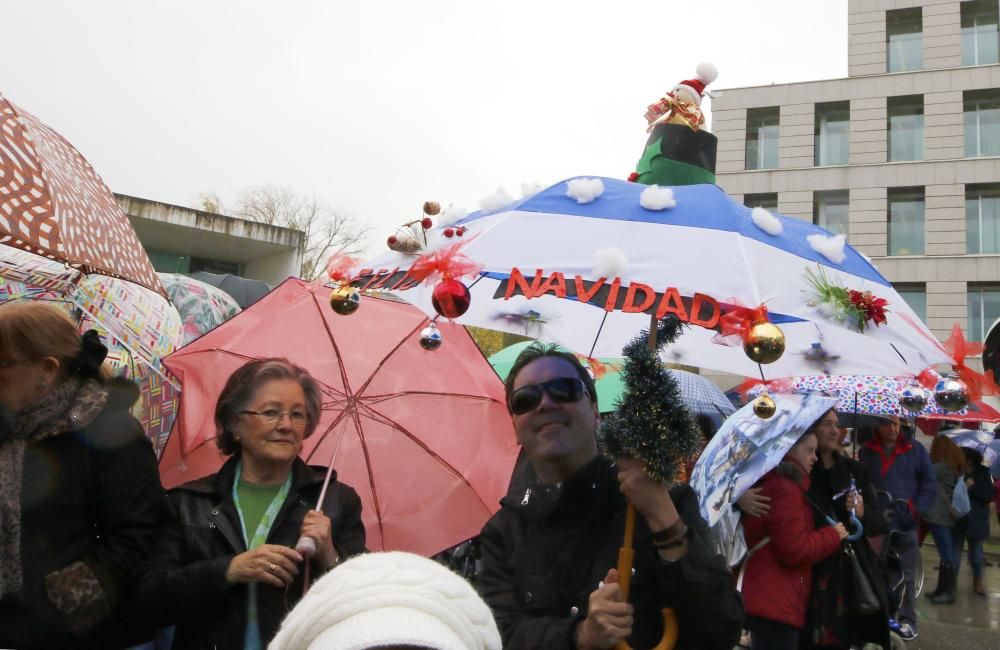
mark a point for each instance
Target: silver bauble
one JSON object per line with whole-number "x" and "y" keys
{"x": 951, "y": 393}
{"x": 913, "y": 398}
{"x": 430, "y": 337}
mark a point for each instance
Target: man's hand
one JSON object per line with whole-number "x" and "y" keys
{"x": 650, "y": 498}
{"x": 608, "y": 621}
{"x": 754, "y": 503}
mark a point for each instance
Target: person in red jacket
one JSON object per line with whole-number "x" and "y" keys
{"x": 784, "y": 545}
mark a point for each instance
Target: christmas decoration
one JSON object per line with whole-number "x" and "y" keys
{"x": 818, "y": 355}
{"x": 762, "y": 341}
{"x": 951, "y": 393}
{"x": 345, "y": 300}
{"x": 846, "y": 306}
{"x": 913, "y": 398}
{"x": 764, "y": 407}
{"x": 765, "y": 343}
{"x": 977, "y": 384}
{"x": 432, "y": 208}
{"x": 682, "y": 104}
{"x": 430, "y": 337}
{"x": 451, "y": 298}
{"x": 650, "y": 422}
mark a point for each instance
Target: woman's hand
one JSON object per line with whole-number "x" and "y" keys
{"x": 753, "y": 503}
{"x": 318, "y": 526}
{"x": 269, "y": 564}
{"x": 855, "y": 501}
{"x": 841, "y": 530}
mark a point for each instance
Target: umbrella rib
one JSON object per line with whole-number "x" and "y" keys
{"x": 371, "y": 475}
{"x": 247, "y": 357}
{"x": 336, "y": 350}
{"x": 598, "y": 335}
{"x": 391, "y": 352}
{"x": 374, "y": 399}
{"x": 375, "y": 415}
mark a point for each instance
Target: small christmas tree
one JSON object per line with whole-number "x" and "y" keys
{"x": 650, "y": 421}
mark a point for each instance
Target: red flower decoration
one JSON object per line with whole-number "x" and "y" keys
{"x": 871, "y": 308}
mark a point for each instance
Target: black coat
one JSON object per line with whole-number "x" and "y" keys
{"x": 544, "y": 552}
{"x": 976, "y": 524}
{"x": 184, "y": 583}
{"x": 91, "y": 495}
{"x": 828, "y": 615}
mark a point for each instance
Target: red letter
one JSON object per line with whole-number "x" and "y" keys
{"x": 609, "y": 304}
{"x": 671, "y": 304}
{"x": 648, "y": 299}
{"x": 713, "y": 320}
{"x": 583, "y": 294}
{"x": 556, "y": 283}
{"x": 516, "y": 280}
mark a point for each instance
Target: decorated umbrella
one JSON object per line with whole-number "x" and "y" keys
{"x": 424, "y": 437}
{"x": 585, "y": 263}
{"x": 980, "y": 441}
{"x": 747, "y": 447}
{"x": 201, "y": 306}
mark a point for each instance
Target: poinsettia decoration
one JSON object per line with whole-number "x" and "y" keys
{"x": 843, "y": 305}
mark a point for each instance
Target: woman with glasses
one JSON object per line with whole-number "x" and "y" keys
{"x": 226, "y": 571}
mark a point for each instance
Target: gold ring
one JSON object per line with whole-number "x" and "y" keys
{"x": 271, "y": 567}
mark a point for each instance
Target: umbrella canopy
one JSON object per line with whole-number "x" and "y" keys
{"x": 747, "y": 447}
{"x": 423, "y": 436}
{"x": 53, "y": 203}
{"x": 981, "y": 441}
{"x": 201, "y": 306}
{"x": 245, "y": 291}
{"x": 588, "y": 274}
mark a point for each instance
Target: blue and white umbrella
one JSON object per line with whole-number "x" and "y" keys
{"x": 747, "y": 447}
{"x": 586, "y": 269}
{"x": 981, "y": 441}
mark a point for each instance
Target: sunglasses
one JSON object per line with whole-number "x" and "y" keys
{"x": 564, "y": 390}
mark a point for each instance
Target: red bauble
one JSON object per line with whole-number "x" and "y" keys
{"x": 633, "y": 177}
{"x": 451, "y": 298}
{"x": 460, "y": 231}
{"x": 426, "y": 223}
{"x": 449, "y": 232}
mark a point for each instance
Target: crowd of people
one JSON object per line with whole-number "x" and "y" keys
{"x": 96, "y": 555}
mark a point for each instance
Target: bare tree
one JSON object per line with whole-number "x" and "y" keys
{"x": 327, "y": 230}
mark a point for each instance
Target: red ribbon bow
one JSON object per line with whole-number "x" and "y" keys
{"x": 958, "y": 349}
{"x": 339, "y": 267}
{"x": 447, "y": 263}
{"x": 738, "y": 319}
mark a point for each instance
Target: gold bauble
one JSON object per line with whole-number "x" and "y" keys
{"x": 764, "y": 407}
{"x": 432, "y": 207}
{"x": 345, "y": 300}
{"x": 765, "y": 343}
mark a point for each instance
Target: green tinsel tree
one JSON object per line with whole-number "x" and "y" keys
{"x": 650, "y": 421}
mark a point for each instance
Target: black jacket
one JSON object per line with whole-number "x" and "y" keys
{"x": 976, "y": 524}
{"x": 94, "y": 496}
{"x": 184, "y": 583}
{"x": 544, "y": 552}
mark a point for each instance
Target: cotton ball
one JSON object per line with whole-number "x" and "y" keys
{"x": 611, "y": 262}
{"x": 584, "y": 190}
{"x": 530, "y": 189}
{"x": 832, "y": 248}
{"x": 766, "y": 221}
{"x": 451, "y": 214}
{"x": 655, "y": 197}
{"x": 496, "y": 200}
{"x": 706, "y": 72}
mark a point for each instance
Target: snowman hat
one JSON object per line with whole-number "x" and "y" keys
{"x": 705, "y": 73}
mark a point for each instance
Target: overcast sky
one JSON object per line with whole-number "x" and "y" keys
{"x": 378, "y": 106}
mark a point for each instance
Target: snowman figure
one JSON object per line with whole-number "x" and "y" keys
{"x": 682, "y": 104}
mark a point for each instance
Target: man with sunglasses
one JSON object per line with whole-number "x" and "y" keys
{"x": 548, "y": 555}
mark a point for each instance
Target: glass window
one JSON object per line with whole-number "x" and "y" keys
{"x": 982, "y": 218}
{"x": 915, "y": 296}
{"x": 830, "y": 211}
{"x": 906, "y": 221}
{"x": 768, "y": 201}
{"x": 833, "y": 122}
{"x": 906, "y": 127}
{"x": 904, "y": 40}
{"x": 982, "y": 122}
{"x": 980, "y": 35}
{"x": 984, "y": 309}
{"x": 762, "y": 138}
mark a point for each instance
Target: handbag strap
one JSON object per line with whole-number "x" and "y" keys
{"x": 743, "y": 569}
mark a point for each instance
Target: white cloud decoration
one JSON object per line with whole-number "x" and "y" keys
{"x": 766, "y": 221}
{"x": 832, "y": 248}
{"x": 610, "y": 262}
{"x": 584, "y": 190}
{"x": 655, "y": 197}
{"x": 496, "y": 200}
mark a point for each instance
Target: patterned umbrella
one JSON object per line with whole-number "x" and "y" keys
{"x": 202, "y": 307}
{"x": 981, "y": 441}
{"x": 53, "y": 203}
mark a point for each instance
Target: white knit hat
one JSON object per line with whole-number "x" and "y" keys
{"x": 386, "y": 599}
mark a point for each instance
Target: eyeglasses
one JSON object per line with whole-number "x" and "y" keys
{"x": 564, "y": 390}
{"x": 273, "y": 416}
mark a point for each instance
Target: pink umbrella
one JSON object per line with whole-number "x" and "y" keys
{"x": 423, "y": 436}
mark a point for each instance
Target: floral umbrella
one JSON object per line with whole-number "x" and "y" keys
{"x": 586, "y": 262}
{"x": 202, "y": 307}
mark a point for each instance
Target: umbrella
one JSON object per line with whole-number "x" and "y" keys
{"x": 202, "y": 307}
{"x": 700, "y": 395}
{"x": 747, "y": 447}
{"x": 873, "y": 395}
{"x": 423, "y": 436}
{"x": 587, "y": 275}
{"x": 245, "y": 291}
{"x": 53, "y": 203}
{"x": 981, "y": 441}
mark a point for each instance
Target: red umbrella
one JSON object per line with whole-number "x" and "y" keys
{"x": 423, "y": 436}
{"x": 53, "y": 203}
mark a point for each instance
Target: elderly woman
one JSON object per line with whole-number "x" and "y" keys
{"x": 80, "y": 499}
{"x": 226, "y": 571}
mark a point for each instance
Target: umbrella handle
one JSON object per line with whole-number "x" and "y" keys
{"x": 859, "y": 529}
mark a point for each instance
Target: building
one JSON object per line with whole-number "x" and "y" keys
{"x": 184, "y": 240}
{"x": 903, "y": 155}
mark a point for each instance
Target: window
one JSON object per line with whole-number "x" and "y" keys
{"x": 915, "y": 295}
{"x": 215, "y": 266}
{"x": 762, "y": 138}
{"x": 906, "y": 221}
{"x": 830, "y": 211}
{"x": 982, "y": 122}
{"x": 833, "y": 121}
{"x": 982, "y": 218}
{"x": 768, "y": 201}
{"x": 904, "y": 40}
{"x": 979, "y": 32}
{"x": 906, "y": 127}
{"x": 984, "y": 309}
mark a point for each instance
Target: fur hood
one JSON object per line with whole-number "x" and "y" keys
{"x": 792, "y": 469}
